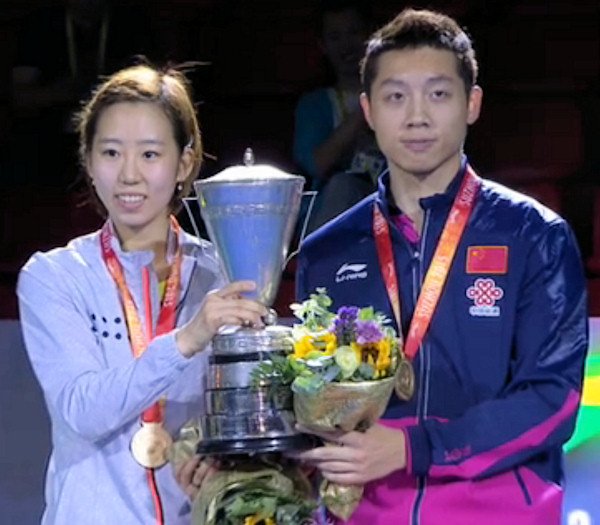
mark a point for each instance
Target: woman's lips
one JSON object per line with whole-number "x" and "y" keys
{"x": 129, "y": 201}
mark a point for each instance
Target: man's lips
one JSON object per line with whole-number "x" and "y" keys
{"x": 418, "y": 145}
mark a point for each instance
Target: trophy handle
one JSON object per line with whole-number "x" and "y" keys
{"x": 186, "y": 204}
{"x": 313, "y": 195}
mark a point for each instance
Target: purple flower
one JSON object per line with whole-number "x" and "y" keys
{"x": 348, "y": 313}
{"x": 368, "y": 332}
{"x": 343, "y": 324}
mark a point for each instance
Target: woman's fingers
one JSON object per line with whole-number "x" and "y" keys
{"x": 235, "y": 289}
{"x": 206, "y": 467}
{"x": 220, "y": 308}
{"x": 192, "y": 473}
{"x": 227, "y": 306}
{"x": 184, "y": 474}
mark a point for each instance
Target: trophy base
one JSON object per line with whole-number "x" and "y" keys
{"x": 257, "y": 445}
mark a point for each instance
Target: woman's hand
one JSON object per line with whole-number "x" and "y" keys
{"x": 221, "y": 307}
{"x": 190, "y": 474}
{"x": 354, "y": 458}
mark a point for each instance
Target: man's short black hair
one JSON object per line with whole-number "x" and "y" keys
{"x": 413, "y": 29}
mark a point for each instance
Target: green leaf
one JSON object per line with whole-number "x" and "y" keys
{"x": 366, "y": 371}
{"x": 277, "y": 371}
{"x": 310, "y": 384}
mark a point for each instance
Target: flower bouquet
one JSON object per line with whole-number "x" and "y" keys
{"x": 341, "y": 373}
{"x": 265, "y": 489}
{"x": 255, "y": 491}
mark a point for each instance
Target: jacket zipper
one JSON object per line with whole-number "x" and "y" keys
{"x": 418, "y": 277}
{"x": 522, "y": 486}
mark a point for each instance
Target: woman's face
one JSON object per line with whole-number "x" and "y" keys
{"x": 135, "y": 165}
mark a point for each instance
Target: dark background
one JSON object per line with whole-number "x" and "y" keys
{"x": 539, "y": 133}
{"x": 539, "y": 130}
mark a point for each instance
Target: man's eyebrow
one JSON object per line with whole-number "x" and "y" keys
{"x": 397, "y": 82}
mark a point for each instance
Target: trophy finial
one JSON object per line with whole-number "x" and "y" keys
{"x": 248, "y": 157}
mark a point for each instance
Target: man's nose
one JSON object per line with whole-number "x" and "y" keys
{"x": 417, "y": 113}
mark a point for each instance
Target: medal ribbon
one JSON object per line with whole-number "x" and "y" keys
{"x": 166, "y": 317}
{"x": 438, "y": 269}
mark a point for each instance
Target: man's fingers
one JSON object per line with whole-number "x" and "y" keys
{"x": 328, "y": 437}
{"x": 328, "y": 453}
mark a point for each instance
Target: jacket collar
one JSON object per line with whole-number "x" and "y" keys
{"x": 134, "y": 261}
{"x": 444, "y": 200}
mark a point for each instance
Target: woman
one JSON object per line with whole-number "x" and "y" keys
{"x": 115, "y": 323}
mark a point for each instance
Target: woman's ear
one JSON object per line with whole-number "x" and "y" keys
{"x": 186, "y": 164}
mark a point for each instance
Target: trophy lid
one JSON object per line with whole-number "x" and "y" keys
{"x": 249, "y": 173}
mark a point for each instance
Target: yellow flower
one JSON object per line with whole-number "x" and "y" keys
{"x": 325, "y": 343}
{"x": 358, "y": 349}
{"x": 383, "y": 355}
{"x": 255, "y": 520}
{"x": 330, "y": 341}
{"x": 303, "y": 347}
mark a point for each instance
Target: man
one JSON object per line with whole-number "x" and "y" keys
{"x": 496, "y": 304}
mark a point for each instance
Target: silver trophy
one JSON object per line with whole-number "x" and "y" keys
{"x": 250, "y": 212}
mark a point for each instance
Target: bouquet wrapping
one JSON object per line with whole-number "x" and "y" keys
{"x": 341, "y": 374}
{"x": 264, "y": 489}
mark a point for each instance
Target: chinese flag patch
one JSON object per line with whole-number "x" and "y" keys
{"x": 487, "y": 259}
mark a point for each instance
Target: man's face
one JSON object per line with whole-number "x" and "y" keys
{"x": 419, "y": 110}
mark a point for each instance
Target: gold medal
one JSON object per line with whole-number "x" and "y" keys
{"x": 150, "y": 445}
{"x": 405, "y": 379}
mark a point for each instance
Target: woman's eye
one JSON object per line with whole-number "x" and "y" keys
{"x": 110, "y": 152}
{"x": 151, "y": 155}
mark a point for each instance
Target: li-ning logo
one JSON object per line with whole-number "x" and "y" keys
{"x": 485, "y": 293}
{"x": 350, "y": 272}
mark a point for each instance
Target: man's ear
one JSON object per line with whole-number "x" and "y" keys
{"x": 366, "y": 108}
{"x": 474, "y": 104}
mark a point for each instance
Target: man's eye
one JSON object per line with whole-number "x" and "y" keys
{"x": 150, "y": 155}
{"x": 395, "y": 97}
{"x": 440, "y": 94}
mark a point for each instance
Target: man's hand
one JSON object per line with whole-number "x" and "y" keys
{"x": 355, "y": 458}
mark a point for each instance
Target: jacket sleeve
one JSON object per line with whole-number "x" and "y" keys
{"x": 91, "y": 399}
{"x": 536, "y": 411}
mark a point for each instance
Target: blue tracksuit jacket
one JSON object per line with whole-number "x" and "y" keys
{"x": 499, "y": 372}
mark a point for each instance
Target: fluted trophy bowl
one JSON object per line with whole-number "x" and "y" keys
{"x": 250, "y": 213}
